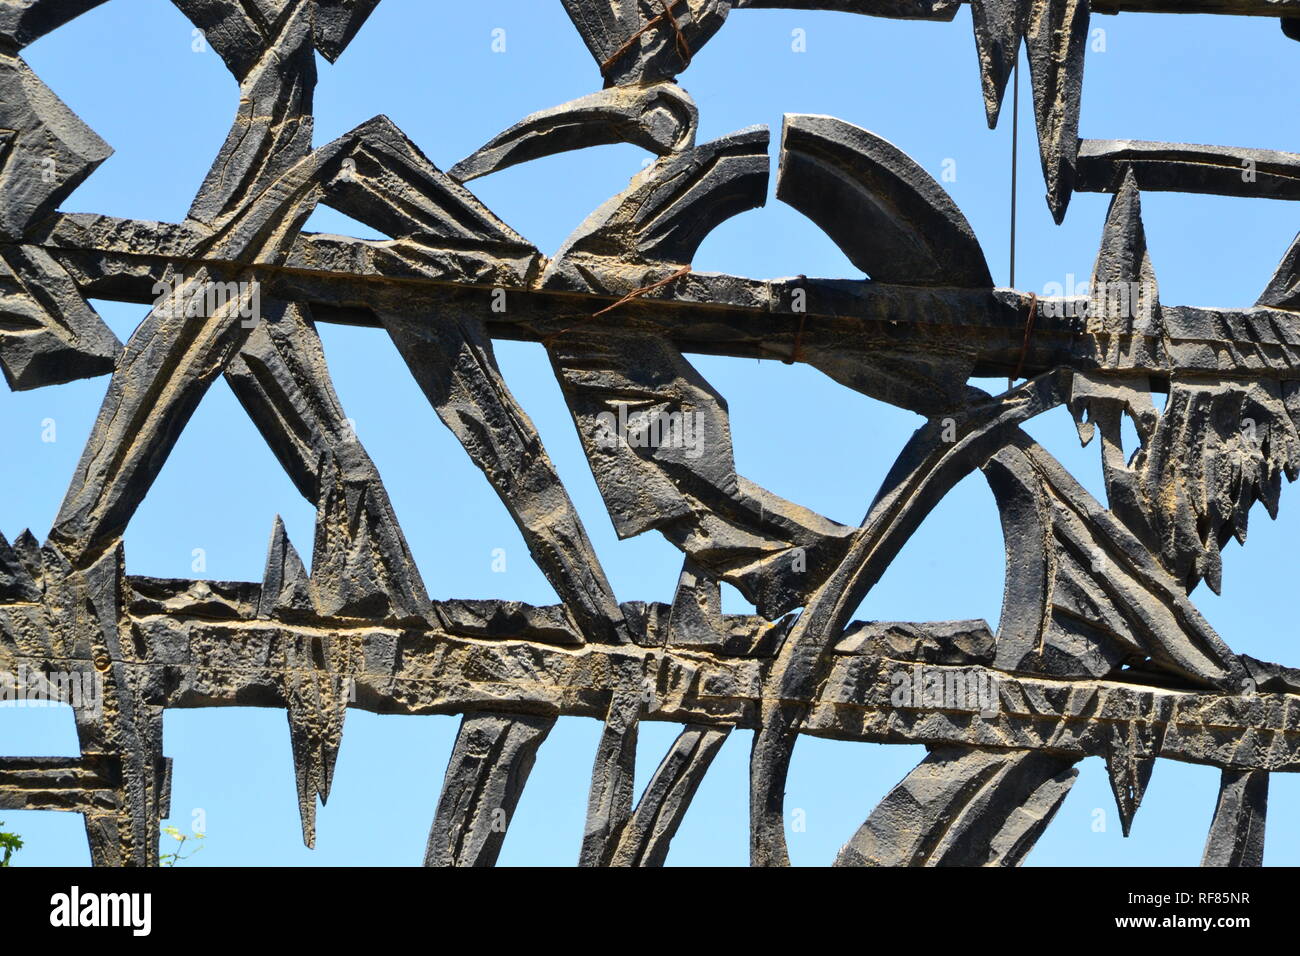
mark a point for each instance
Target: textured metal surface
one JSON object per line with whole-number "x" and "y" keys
{"x": 1099, "y": 651}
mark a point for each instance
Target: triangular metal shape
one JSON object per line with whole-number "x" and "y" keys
{"x": 999, "y": 25}
{"x": 285, "y": 585}
{"x": 316, "y": 694}
{"x": 1283, "y": 290}
{"x": 1125, "y": 298}
{"x": 28, "y": 550}
{"x": 16, "y": 583}
{"x": 1057, "y": 36}
{"x": 1129, "y": 773}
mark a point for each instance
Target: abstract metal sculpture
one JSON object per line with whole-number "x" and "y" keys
{"x": 1099, "y": 651}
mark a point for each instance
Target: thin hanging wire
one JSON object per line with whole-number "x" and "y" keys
{"x": 1015, "y": 143}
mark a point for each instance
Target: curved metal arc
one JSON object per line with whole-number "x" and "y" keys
{"x": 886, "y": 213}
{"x": 661, "y": 118}
{"x": 924, "y": 472}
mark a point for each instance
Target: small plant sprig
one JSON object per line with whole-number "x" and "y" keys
{"x": 178, "y": 855}
{"x": 9, "y": 843}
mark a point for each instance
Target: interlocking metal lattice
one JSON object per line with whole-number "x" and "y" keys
{"x": 1099, "y": 650}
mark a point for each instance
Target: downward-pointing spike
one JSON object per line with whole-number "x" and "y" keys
{"x": 1057, "y": 36}
{"x": 316, "y": 692}
{"x": 337, "y": 22}
{"x": 1128, "y": 771}
{"x": 998, "y": 28}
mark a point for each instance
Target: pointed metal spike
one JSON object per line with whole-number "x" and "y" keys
{"x": 50, "y": 154}
{"x": 1123, "y": 241}
{"x": 348, "y": 576}
{"x": 285, "y": 584}
{"x": 1129, "y": 773}
{"x": 998, "y": 28}
{"x": 1057, "y": 36}
{"x": 1283, "y": 290}
{"x": 337, "y": 22}
{"x": 317, "y": 698}
{"x": 304, "y": 772}
{"x": 1125, "y": 298}
{"x": 50, "y": 333}
{"x": 16, "y": 583}
{"x": 28, "y": 550}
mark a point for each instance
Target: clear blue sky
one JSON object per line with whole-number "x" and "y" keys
{"x": 129, "y": 70}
